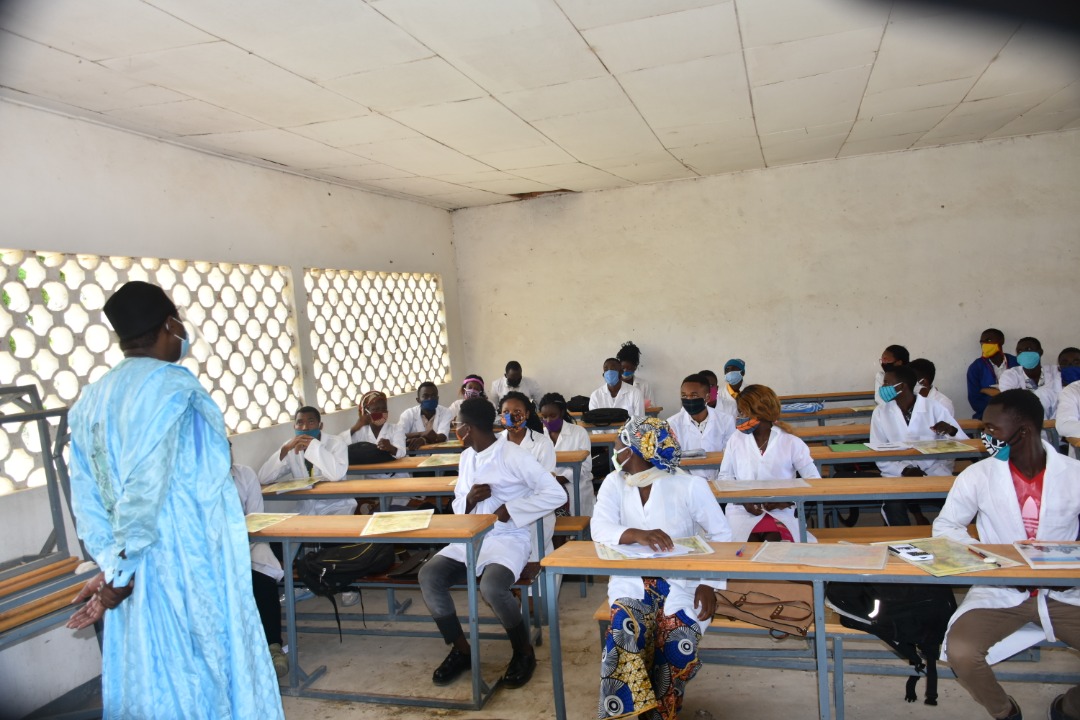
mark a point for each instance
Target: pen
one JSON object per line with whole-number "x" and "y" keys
{"x": 985, "y": 558}
{"x": 738, "y": 553}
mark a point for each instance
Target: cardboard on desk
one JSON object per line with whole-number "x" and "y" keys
{"x": 1050, "y": 554}
{"x": 293, "y": 484}
{"x": 850, "y": 557}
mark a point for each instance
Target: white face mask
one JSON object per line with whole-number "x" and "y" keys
{"x": 615, "y": 459}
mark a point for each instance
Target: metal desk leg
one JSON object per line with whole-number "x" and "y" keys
{"x": 838, "y": 676}
{"x": 821, "y": 650}
{"x": 577, "y": 484}
{"x": 820, "y": 513}
{"x": 296, "y": 674}
{"x": 474, "y": 627}
{"x": 800, "y": 509}
{"x": 550, "y": 574}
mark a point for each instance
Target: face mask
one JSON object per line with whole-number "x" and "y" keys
{"x": 998, "y": 449}
{"x": 886, "y": 367}
{"x": 712, "y": 394}
{"x": 508, "y": 421}
{"x": 554, "y": 426}
{"x": 429, "y": 405}
{"x": 185, "y": 342}
{"x": 313, "y": 433}
{"x": 887, "y": 393}
{"x": 746, "y": 425}
{"x": 989, "y": 350}
{"x": 694, "y": 406}
{"x": 734, "y": 377}
{"x": 1029, "y": 359}
{"x": 919, "y": 387}
{"x": 628, "y": 374}
{"x": 611, "y": 377}
{"x": 471, "y": 394}
{"x": 615, "y": 459}
{"x": 377, "y": 418}
{"x": 1070, "y": 374}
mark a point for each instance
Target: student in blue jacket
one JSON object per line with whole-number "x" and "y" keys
{"x": 983, "y": 374}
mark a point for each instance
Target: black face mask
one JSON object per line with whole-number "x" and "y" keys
{"x": 886, "y": 367}
{"x": 694, "y": 406}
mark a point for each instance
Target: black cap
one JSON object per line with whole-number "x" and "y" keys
{"x": 137, "y": 308}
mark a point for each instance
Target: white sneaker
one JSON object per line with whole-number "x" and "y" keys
{"x": 350, "y": 598}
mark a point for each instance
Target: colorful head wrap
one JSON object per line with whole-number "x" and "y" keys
{"x": 652, "y": 439}
{"x": 370, "y": 396}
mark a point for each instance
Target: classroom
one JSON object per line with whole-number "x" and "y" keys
{"x": 355, "y": 196}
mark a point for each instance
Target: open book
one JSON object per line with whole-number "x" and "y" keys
{"x": 683, "y": 546}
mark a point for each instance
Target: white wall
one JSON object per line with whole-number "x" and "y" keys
{"x": 806, "y": 272}
{"x": 72, "y": 186}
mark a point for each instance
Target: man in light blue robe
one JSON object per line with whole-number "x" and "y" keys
{"x": 157, "y": 509}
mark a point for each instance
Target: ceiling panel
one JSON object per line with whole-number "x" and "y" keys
{"x": 187, "y": 117}
{"x": 879, "y": 145}
{"x": 915, "y": 121}
{"x": 805, "y": 150}
{"x": 420, "y": 156}
{"x": 601, "y": 135}
{"x": 768, "y": 22}
{"x": 472, "y": 126}
{"x": 709, "y": 90}
{"x": 1030, "y": 61}
{"x": 575, "y": 176}
{"x": 915, "y": 97}
{"x": 355, "y": 131}
{"x": 817, "y": 100}
{"x": 366, "y": 171}
{"x": 226, "y": 76}
{"x": 278, "y": 146}
{"x": 587, "y": 14}
{"x": 415, "y": 84}
{"x": 572, "y": 98}
{"x": 546, "y": 154}
{"x": 813, "y": 56}
{"x": 721, "y": 157}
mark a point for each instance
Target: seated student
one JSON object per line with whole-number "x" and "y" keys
{"x": 651, "y": 648}
{"x": 471, "y": 387}
{"x": 494, "y": 478}
{"x": 714, "y": 390}
{"x": 371, "y": 426}
{"x": 764, "y": 448}
{"x": 614, "y": 393}
{"x": 308, "y": 454}
{"x": 265, "y": 568}
{"x": 567, "y": 435}
{"x": 512, "y": 379}
{"x": 1024, "y": 491}
{"x": 629, "y": 356}
{"x": 524, "y": 428}
{"x": 726, "y": 394}
{"x": 894, "y": 356}
{"x": 698, "y": 426}
{"x": 925, "y": 372}
{"x": 427, "y": 422}
{"x": 984, "y": 373}
{"x": 1031, "y": 374}
{"x": 1067, "y": 417}
{"x": 907, "y": 417}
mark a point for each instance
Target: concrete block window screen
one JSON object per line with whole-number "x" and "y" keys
{"x": 55, "y": 335}
{"x": 374, "y": 331}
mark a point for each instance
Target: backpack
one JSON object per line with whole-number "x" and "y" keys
{"x": 910, "y": 619}
{"x": 578, "y": 403}
{"x": 606, "y": 416}
{"x": 365, "y": 453}
{"x": 334, "y": 568}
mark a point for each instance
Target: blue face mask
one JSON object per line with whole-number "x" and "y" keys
{"x": 998, "y": 449}
{"x": 1029, "y": 359}
{"x": 429, "y": 405}
{"x": 734, "y": 377}
{"x": 887, "y": 393}
{"x": 1070, "y": 374}
{"x": 628, "y": 374}
{"x": 611, "y": 377}
{"x": 185, "y": 343}
{"x": 313, "y": 433}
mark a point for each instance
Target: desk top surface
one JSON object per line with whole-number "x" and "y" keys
{"x": 416, "y": 462}
{"x": 829, "y": 396}
{"x": 825, "y": 453}
{"x": 456, "y": 527}
{"x": 359, "y": 487}
{"x": 826, "y": 487}
{"x": 578, "y": 554}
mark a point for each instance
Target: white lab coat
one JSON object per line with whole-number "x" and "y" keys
{"x": 681, "y": 505}
{"x": 330, "y": 457}
{"x": 629, "y": 398}
{"x": 725, "y": 403}
{"x": 1047, "y": 390}
{"x": 984, "y": 493}
{"x": 541, "y": 448}
{"x": 644, "y": 388}
{"x": 943, "y": 400}
{"x": 251, "y": 499}
{"x": 784, "y": 456}
{"x": 528, "y": 386}
{"x": 412, "y": 421}
{"x": 1067, "y": 417}
{"x": 575, "y": 437}
{"x": 718, "y": 428}
{"x": 393, "y": 432}
{"x": 887, "y": 425}
{"x": 528, "y": 491}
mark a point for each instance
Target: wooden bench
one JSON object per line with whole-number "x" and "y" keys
{"x": 37, "y": 576}
{"x": 38, "y": 600}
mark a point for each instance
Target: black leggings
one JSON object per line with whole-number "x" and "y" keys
{"x": 267, "y": 600}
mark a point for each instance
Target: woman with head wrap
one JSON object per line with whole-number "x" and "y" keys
{"x": 764, "y": 448}
{"x": 373, "y": 426}
{"x": 650, "y": 651}
{"x": 471, "y": 387}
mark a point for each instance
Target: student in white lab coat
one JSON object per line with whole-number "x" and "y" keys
{"x": 906, "y": 417}
{"x": 567, "y": 436}
{"x": 1025, "y": 491}
{"x": 494, "y": 478}
{"x": 371, "y": 426}
{"x": 427, "y": 422}
{"x": 893, "y": 356}
{"x": 728, "y": 392}
{"x": 310, "y": 453}
{"x": 523, "y": 428}
{"x": 764, "y": 449}
{"x": 926, "y": 371}
{"x": 1067, "y": 417}
{"x": 265, "y": 569}
{"x": 512, "y": 379}
{"x": 629, "y": 357}
{"x": 1031, "y": 374}
{"x": 471, "y": 387}
{"x": 698, "y": 426}
{"x": 614, "y": 393}
{"x": 649, "y": 500}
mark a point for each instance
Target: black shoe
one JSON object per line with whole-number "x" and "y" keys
{"x": 1015, "y": 714}
{"x": 452, "y": 667}
{"x": 520, "y": 670}
{"x": 1055, "y": 712}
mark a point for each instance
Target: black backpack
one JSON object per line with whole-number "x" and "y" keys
{"x": 911, "y": 619}
{"x": 578, "y": 403}
{"x": 606, "y": 416}
{"x": 334, "y": 568}
{"x": 365, "y": 453}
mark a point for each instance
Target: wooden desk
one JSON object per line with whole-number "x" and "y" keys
{"x": 843, "y": 489}
{"x": 823, "y": 456}
{"x": 467, "y": 529}
{"x": 580, "y": 558}
{"x": 838, "y": 413}
{"x": 858, "y": 432}
{"x": 383, "y": 489}
{"x": 853, "y": 396}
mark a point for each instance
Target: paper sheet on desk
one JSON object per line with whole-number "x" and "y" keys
{"x": 294, "y": 484}
{"x": 440, "y": 460}
{"x": 887, "y": 446}
{"x": 849, "y": 557}
{"x": 394, "y": 522}
{"x": 742, "y": 485}
{"x": 930, "y": 447}
{"x": 636, "y": 551}
{"x": 260, "y": 521}
{"x": 951, "y": 557}
{"x": 1050, "y": 554}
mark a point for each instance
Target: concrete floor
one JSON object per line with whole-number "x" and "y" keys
{"x": 387, "y": 664}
